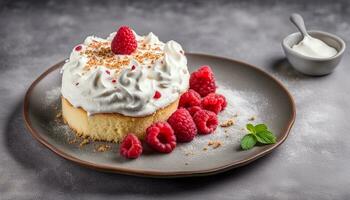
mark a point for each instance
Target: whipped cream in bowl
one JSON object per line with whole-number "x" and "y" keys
{"x": 99, "y": 81}
{"x": 314, "y": 48}
{"x": 316, "y": 65}
{"x": 313, "y": 53}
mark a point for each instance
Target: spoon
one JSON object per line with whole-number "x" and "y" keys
{"x": 298, "y": 21}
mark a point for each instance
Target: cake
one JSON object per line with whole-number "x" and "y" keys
{"x": 106, "y": 95}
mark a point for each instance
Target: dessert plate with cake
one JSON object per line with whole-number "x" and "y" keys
{"x": 135, "y": 105}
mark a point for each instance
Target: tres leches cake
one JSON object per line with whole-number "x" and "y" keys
{"x": 122, "y": 84}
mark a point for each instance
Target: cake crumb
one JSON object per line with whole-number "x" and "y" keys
{"x": 215, "y": 144}
{"x": 189, "y": 153}
{"x": 225, "y": 131}
{"x": 73, "y": 141}
{"x": 205, "y": 148}
{"x": 59, "y": 115}
{"x": 228, "y": 123}
{"x": 84, "y": 142}
{"x": 252, "y": 118}
{"x": 210, "y": 143}
{"x": 103, "y": 148}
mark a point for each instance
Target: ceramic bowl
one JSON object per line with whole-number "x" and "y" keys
{"x": 309, "y": 65}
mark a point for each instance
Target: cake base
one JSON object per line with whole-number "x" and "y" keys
{"x": 112, "y": 127}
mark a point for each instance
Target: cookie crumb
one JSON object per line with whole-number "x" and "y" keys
{"x": 228, "y": 123}
{"x": 210, "y": 143}
{"x": 73, "y": 141}
{"x": 252, "y": 118}
{"x": 217, "y": 144}
{"x": 84, "y": 142}
{"x": 103, "y": 148}
{"x": 59, "y": 115}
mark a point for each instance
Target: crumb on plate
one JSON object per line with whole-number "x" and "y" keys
{"x": 73, "y": 141}
{"x": 215, "y": 144}
{"x": 103, "y": 148}
{"x": 252, "y": 118}
{"x": 228, "y": 123}
{"x": 59, "y": 115}
{"x": 84, "y": 142}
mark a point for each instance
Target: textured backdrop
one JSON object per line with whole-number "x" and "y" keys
{"x": 312, "y": 164}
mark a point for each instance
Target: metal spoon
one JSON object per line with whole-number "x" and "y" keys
{"x": 298, "y": 21}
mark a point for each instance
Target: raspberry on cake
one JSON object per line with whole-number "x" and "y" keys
{"x": 124, "y": 41}
{"x": 122, "y": 84}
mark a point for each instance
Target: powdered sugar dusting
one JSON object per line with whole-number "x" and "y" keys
{"x": 60, "y": 128}
{"x": 52, "y": 98}
{"x": 241, "y": 106}
{"x": 52, "y": 95}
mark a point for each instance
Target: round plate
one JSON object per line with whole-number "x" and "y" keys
{"x": 253, "y": 96}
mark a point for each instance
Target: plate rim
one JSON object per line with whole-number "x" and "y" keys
{"x": 157, "y": 174}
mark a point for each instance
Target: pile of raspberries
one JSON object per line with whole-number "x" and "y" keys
{"x": 196, "y": 114}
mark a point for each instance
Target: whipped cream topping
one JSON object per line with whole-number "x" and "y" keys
{"x": 99, "y": 81}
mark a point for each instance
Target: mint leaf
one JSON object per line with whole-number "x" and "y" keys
{"x": 248, "y": 141}
{"x": 260, "y": 128}
{"x": 265, "y": 137}
{"x": 250, "y": 128}
{"x": 257, "y": 134}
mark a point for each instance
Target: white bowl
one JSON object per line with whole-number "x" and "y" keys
{"x": 309, "y": 65}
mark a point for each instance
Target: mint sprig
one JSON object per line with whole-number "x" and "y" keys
{"x": 258, "y": 134}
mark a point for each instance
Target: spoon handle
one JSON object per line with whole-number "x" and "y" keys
{"x": 298, "y": 21}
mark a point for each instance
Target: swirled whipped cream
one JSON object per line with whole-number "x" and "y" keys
{"x": 99, "y": 81}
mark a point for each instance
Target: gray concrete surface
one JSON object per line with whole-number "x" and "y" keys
{"x": 312, "y": 164}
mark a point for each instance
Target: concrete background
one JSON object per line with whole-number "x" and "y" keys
{"x": 312, "y": 163}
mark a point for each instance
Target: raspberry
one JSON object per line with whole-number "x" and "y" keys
{"x": 214, "y": 102}
{"x": 157, "y": 95}
{"x": 124, "y": 41}
{"x": 192, "y": 110}
{"x": 203, "y": 81}
{"x": 130, "y": 147}
{"x": 160, "y": 137}
{"x": 206, "y": 121}
{"x": 78, "y": 48}
{"x": 189, "y": 99}
{"x": 183, "y": 125}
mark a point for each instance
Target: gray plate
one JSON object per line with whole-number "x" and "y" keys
{"x": 250, "y": 92}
